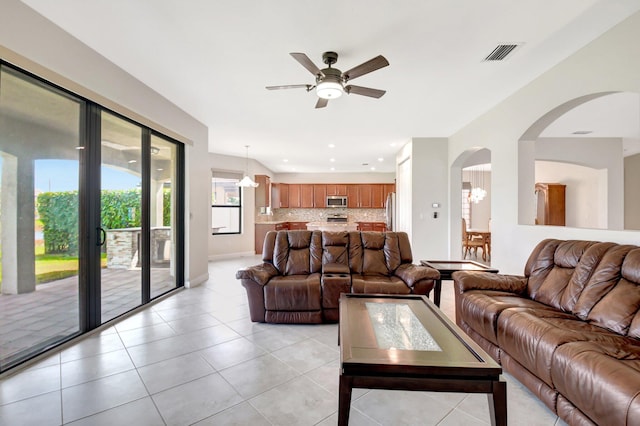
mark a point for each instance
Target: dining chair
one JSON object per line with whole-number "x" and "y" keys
{"x": 468, "y": 242}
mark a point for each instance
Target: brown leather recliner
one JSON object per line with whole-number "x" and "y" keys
{"x": 304, "y": 272}
{"x": 568, "y": 329}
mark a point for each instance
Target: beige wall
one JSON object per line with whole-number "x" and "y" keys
{"x": 631, "y": 191}
{"x": 35, "y": 44}
{"x": 609, "y": 63}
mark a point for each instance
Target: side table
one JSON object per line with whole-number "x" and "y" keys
{"x": 448, "y": 267}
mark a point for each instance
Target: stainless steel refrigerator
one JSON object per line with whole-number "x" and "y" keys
{"x": 390, "y": 211}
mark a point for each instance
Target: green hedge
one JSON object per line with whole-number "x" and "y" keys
{"x": 58, "y": 212}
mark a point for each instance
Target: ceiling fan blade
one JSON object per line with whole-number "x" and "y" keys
{"x": 307, "y": 63}
{"x": 291, "y": 86}
{"x": 365, "y": 91}
{"x": 365, "y": 68}
{"x": 322, "y": 103}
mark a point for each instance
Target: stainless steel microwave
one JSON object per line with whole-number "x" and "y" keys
{"x": 336, "y": 201}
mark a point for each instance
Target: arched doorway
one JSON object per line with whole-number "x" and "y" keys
{"x": 470, "y": 176}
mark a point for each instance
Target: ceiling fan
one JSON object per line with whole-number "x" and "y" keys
{"x": 331, "y": 83}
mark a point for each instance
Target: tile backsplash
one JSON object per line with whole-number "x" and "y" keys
{"x": 321, "y": 215}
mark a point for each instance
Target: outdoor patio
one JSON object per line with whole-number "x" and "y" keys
{"x": 43, "y": 317}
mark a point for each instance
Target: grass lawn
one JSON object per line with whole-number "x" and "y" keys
{"x": 55, "y": 267}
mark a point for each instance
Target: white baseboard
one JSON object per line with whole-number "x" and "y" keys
{"x": 214, "y": 257}
{"x": 197, "y": 281}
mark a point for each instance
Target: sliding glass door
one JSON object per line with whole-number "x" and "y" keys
{"x": 40, "y": 152}
{"x": 120, "y": 215}
{"x": 90, "y": 215}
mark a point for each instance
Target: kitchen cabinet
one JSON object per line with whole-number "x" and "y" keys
{"x": 336, "y": 189}
{"x": 314, "y": 195}
{"x": 293, "y": 226}
{"x": 261, "y": 230}
{"x": 352, "y": 196}
{"x": 279, "y": 195}
{"x": 294, "y": 195}
{"x": 367, "y": 196}
{"x": 306, "y": 195}
{"x": 319, "y": 196}
{"x": 389, "y": 188}
{"x": 378, "y": 196}
{"x": 550, "y": 209}
{"x": 372, "y": 226}
{"x": 263, "y": 191}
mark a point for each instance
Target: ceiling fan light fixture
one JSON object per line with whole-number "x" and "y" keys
{"x": 329, "y": 90}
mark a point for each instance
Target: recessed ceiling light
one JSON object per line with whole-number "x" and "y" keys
{"x": 159, "y": 170}
{"x": 392, "y": 144}
{"x": 331, "y": 145}
{"x": 332, "y": 160}
{"x": 285, "y": 160}
{"x": 373, "y": 168}
{"x": 79, "y": 148}
{"x": 381, "y": 159}
{"x": 332, "y": 169}
{"x": 132, "y": 161}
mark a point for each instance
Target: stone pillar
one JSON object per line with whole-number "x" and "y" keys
{"x": 17, "y": 217}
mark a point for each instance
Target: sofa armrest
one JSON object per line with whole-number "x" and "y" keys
{"x": 261, "y": 274}
{"x": 466, "y": 280}
{"x": 411, "y": 274}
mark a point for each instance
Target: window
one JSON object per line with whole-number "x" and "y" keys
{"x": 226, "y": 204}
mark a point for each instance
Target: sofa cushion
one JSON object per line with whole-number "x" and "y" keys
{"x": 378, "y": 284}
{"x": 481, "y": 309}
{"x": 335, "y": 248}
{"x": 619, "y": 306}
{"x": 293, "y": 293}
{"x": 549, "y": 285}
{"x": 600, "y": 378}
{"x": 531, "y": 336}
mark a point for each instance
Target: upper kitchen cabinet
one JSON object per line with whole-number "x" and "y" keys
{"x": 319, "y": 196}
{"x": 294, "y": 195}
{"x": 263, "y": 191}
{"x": 389, "y": 188}
{"x": 306, "y": 195}
{"x": 336, "y": 189}
{"x": 367, "y": 196}
{"x": 353, "y": 196}
{"x": 280, "y": 196}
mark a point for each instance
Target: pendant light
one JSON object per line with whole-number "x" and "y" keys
{"x": 246, "y": 181}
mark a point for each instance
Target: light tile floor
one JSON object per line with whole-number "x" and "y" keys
{"x": 196, "y": 358}
{"x": 50, "y": 314}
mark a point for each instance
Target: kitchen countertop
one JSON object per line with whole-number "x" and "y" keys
{"x": 332, "y": 226}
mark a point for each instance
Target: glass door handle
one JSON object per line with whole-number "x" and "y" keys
{"x": 102, "y": 236}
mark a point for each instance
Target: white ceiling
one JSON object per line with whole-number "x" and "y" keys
{"x": 214, "y": 59}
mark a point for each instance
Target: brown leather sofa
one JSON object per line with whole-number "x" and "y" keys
{"x": 304, "y": 272}
{"x": 569, "y": 329}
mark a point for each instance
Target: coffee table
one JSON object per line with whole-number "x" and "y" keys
{"x": 448, "y": 267}
{"x": 407, "y": 343}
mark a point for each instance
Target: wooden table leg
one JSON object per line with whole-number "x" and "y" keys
{"x": 498, "y": 403}
{"x": 437, "y": 290}
{"x": 344, "y": 400}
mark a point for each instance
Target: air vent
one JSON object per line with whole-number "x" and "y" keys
{"x": 582, "y": 132}
{"x": 501, "y": 52}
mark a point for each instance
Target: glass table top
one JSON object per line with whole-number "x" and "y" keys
{"x": 396, "y": 327}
